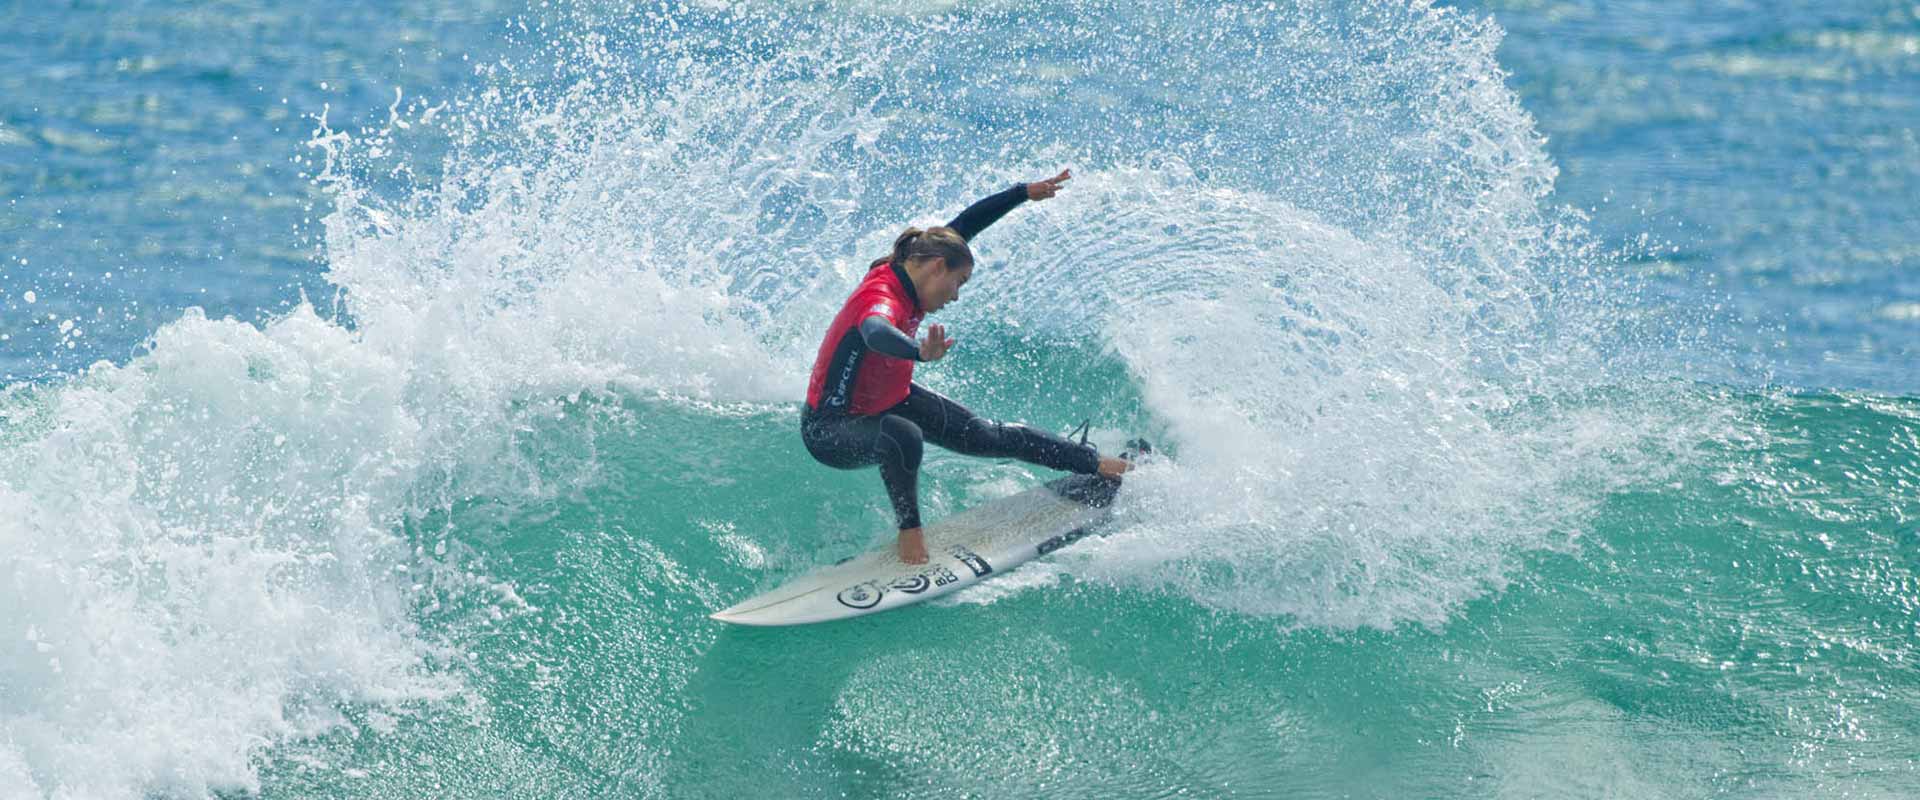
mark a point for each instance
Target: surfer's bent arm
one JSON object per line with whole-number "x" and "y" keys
{"x": 987, "y": 211}
{"x": 881, "y": 337}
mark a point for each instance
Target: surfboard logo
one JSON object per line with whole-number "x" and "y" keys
{"x": 868, "y": 594}
{"x": 973, "y": 561}
{"x": 861, "y": 595}
{"x": 934, "y": 575}
{"x": 1062, "y": 540}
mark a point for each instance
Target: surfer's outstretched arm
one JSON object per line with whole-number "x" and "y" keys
{"x": 990, "y": 209}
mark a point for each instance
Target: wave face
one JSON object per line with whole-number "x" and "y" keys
{"x": 1439, "y": 507}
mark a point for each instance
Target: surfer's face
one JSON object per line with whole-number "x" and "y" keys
{"x": 943, "y": 286}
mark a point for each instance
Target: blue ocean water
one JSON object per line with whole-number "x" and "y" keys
{"x": 392, "y": 389}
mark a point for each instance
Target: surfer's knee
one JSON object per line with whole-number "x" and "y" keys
{"x": 901, "y": 439}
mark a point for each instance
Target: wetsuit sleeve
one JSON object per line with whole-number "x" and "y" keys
{"x": 881, "y": 337}
{"x": 987, "y": 211}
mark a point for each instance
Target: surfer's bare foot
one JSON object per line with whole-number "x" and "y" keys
{"x": 1112, "y": 467}
{"x": 913, "y": 546}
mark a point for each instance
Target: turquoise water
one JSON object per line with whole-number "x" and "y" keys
{"x": 1538, "y": 381}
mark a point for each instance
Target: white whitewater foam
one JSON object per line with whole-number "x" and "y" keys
{"x": 199, "y": 557}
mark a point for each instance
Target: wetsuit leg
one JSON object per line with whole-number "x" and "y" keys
{"x": 952, "y": 426}
{"x": 846, "y": 441}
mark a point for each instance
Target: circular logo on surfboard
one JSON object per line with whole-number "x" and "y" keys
{"x": 863, "y": 595}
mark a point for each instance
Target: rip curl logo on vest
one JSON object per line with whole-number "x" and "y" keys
{"x": 845, "y": 387}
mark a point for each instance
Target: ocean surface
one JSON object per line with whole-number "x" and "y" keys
{"x": 391, "y": 391}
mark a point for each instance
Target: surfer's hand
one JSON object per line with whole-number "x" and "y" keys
{"x": 936, "y": 344}
{"x": 913, "y": 546}
{"x": 1041, "y": 190}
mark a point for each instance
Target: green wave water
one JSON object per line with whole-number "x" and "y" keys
{"x": 1743, "y": 627}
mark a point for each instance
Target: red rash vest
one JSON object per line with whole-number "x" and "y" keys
{"x": 848, "y": 376}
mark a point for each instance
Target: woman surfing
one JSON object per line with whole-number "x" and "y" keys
{"x": 863, "y": 407}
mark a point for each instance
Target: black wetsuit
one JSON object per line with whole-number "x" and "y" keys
{"x": 893, "y": 438}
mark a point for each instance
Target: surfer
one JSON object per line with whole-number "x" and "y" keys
{"x": 863, "y": 407}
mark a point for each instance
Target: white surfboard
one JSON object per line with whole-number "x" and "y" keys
{"x": 962, "y": 550}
